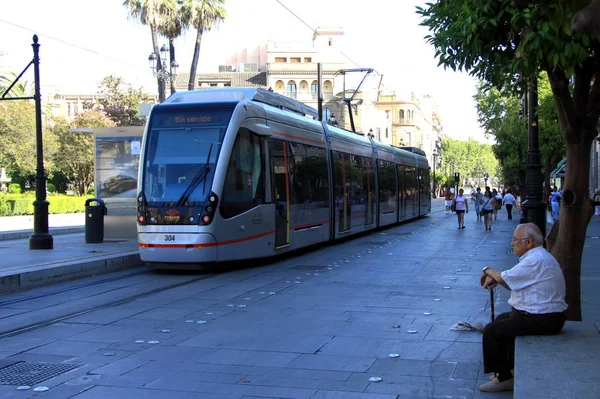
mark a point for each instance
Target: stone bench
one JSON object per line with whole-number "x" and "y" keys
{"x": 566, "y": 365}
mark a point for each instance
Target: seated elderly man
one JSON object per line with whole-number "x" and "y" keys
{"x": 537, "y": 297}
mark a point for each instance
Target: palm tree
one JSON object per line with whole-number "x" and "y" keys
{"x": 20, "y": 89}
{"x": 203, "y": 14}
{"x": 172, "y": 25}
{"x": 152, "y": 13}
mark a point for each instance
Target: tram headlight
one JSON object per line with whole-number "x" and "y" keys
{"x": 191, "y": 219}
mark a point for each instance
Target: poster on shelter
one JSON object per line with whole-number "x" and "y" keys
{"x": 117, "y": 162}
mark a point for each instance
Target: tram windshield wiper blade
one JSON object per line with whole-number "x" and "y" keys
{"x": 200, "y": 176}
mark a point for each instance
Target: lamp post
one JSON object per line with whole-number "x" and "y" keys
{"x": 41, "y": 237}
{"x": 534, "y": 208}
{"x": 159, "y": 70}
{"x": 434, "y": 181}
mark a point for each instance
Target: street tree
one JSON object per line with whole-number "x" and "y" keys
{"x": 500, "y": 113}
{"x": 75, "y": 155}
{"x": 469, "y": 158}
{"x": 121, "y": 102}
{"x": 204, "y": 15}
{"x": 508, "y": 42}
{"x": 17, "y": 139}
{"x": 152, "y": 13}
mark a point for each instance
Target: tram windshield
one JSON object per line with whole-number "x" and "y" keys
{"x": 182, "y": 148}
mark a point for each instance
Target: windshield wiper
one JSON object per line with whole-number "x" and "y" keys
{"x": 200, "y": 176}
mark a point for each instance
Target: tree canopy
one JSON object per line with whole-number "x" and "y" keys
{"x": 75, "y": 155}
{"x": 507, "y": 43}
{"x": 469, "y": 158}
{"x": 501, "y": 114}
{"x": 121, "y": 102}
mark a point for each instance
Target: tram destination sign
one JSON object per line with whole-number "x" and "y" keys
{"x": 192, "y": 118}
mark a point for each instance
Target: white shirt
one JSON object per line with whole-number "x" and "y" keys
{"x": 537, "y": 283}
{"x": 509, "y": 199}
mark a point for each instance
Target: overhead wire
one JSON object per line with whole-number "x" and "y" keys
{"x": 67, "y": 43}
{"x": 318, "y": 34}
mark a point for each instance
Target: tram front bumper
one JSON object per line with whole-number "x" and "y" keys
{"x": 178, "y": 247}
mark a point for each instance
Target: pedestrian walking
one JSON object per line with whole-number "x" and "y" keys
{"x": 448, "y": 200}
{"x": 461, "y": 206}
{"x": 487, "y": 209}
{"x": 496, "y": 202}
{"x": 509, "y": 201}
{"x": 537, "y": 300}
{"x": 555, "y": 203}
{"x": 478, "y": 203}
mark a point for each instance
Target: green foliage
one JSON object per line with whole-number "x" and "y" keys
{"x": 469, "y": 158}
{"x": 121, "y": 102}
{"x": 51, "y": 188}
{"x": 16, "y": 205}
{"x": 495, "y": 41}
{"x": 75, "y": 157}
{"x": 14, "y": 188}
{"x": 22, "y": 88}
{"x": 17, "y": 138}
{"x": 500, "y": 114}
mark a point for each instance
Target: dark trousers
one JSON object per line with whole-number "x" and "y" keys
{"x": 499, "y": 337}
{"x": 509, "y": 211}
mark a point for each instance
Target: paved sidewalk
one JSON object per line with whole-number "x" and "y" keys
{"x": 15, "y": 227}
{"x": 317, "y": 325}
{"x": 71, "y": 258}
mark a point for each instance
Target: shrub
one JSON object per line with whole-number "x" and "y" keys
{"x": 51, "y": 188}
{"x": 14, "y": 188}
{"x": 14, "y": 205}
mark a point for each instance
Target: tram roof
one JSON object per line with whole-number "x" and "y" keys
{"x": 236, "y": 94}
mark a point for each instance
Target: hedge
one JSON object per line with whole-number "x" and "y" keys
{"x": 14, "y": 205}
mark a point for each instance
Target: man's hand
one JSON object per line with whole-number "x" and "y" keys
{"x": 489, "y": 282}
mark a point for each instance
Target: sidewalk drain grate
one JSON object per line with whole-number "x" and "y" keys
{"x": 26, "y": 373}
{"x": 309, "y": 267}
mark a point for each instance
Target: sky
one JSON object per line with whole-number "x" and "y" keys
{"x": 83, "y": 41}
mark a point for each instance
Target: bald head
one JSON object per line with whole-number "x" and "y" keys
{"x": 532, "y": 231}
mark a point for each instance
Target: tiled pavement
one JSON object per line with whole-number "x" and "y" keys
{"x": 316, "y": 325}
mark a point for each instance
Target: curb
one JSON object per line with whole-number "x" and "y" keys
{"x": 27, "y": 277}
{"x": 20, "y": 234}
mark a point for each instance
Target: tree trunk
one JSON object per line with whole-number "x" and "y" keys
{"x": 567, "y": 237}
{"x": 194, "y": 65}
{"x": 578, "y": 117}
{"x": 171, "y": 60}
{"x": 160, "y": 83}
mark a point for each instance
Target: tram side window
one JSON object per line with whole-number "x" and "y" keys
{"x": 424, "y": 181}
{"x": 243, "y": 188}
{"x": 387, "y": 186}
{"x": 308, "y": 174}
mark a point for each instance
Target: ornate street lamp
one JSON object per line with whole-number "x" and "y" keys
{"x": 161, "y": 71}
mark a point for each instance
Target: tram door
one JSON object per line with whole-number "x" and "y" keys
{"x": 402, "y": 191}
{"x": 342, "y": 190}
{"x": 279, "y": 162}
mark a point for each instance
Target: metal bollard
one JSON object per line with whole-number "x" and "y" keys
{"x": 94, "y": 221}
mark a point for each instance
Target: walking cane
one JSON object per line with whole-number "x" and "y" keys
{"x": 492, "y": 302}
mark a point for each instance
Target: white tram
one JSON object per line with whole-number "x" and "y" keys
{"x": 240, "y": 173}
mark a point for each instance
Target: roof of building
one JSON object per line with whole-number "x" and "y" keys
{"x": 236, "y": 79}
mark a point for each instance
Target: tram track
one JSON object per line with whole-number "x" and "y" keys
{"x": 24, "y": 326}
